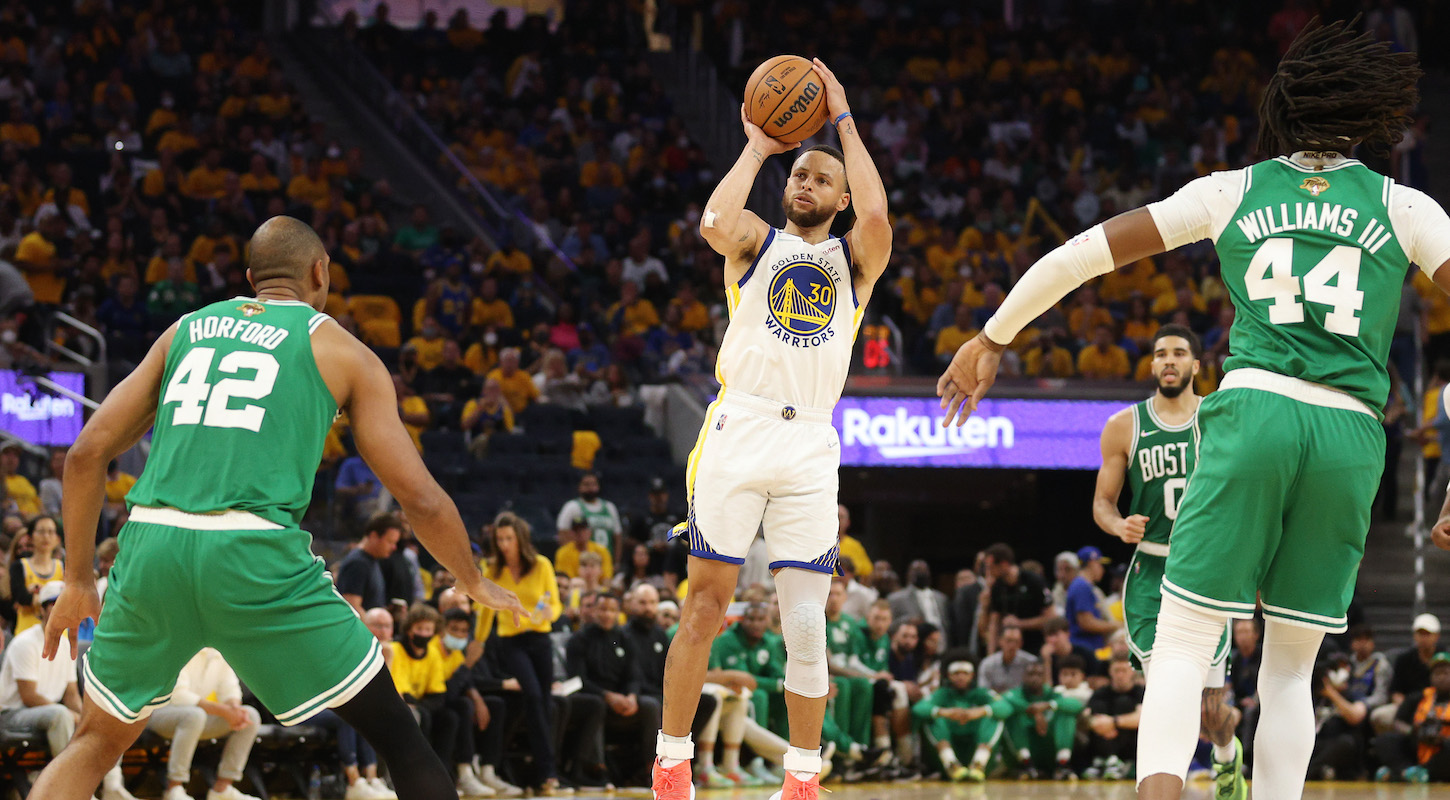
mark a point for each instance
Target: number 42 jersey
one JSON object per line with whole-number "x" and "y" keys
{"x": 242, "y": 414}
{"x": 1314, "y": 249}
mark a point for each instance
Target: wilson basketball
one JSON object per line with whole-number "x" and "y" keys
{"x": 786, "y": 98}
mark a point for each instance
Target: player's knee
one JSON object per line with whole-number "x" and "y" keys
{"x": 804, "y": 630}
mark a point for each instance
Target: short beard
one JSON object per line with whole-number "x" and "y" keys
{"x": 1171, "y": 392}
{"x": 806, "y": 219}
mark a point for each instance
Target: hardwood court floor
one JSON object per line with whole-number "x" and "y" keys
{"x": 1081, "y": 790}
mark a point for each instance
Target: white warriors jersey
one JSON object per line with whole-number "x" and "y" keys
{"x": 793, "y": 321}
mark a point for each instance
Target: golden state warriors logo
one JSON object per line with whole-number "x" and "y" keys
{"x": 1315, "y": 185}
{"x": 251, "y": 309}
{"x": 802, "y": 299}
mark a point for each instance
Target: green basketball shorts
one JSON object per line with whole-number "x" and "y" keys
{"x": 1142, "y": 598}
{"x": 1278, "y": 508}
{"x": 236, "y": 582}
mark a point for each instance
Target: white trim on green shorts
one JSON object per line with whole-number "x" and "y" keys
{"x": 340, "y": 693}
{"x": 221, "y": 521}
{"x": 108, "y": 702}
{"x": 1238, "y": 610}
{"x": 1304, "y": 619}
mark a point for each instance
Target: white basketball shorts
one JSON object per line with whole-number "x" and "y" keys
{"x": 761, "y": 462}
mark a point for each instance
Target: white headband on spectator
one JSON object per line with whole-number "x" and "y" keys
{"x": 960, "y": 666}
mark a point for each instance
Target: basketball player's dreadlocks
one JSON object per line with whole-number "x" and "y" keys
{"x": 1334, "y": 90}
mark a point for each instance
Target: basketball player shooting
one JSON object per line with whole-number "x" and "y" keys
{"x": 767, "y": 452}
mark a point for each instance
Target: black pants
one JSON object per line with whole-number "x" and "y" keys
{"x": 1397, "y": 751}
{"x": 489, "y": 741}
{"x": 643, "y": 726}
{"x": 452, "y": 734}
{"x": 579, "y": 732}
{"x": 530, "y": 659}
{"x": 1338, "y": 746}
{"x": 1125, "y": 746}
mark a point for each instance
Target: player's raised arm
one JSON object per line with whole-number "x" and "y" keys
{"x": 730, "y": 229}
{"x": 871, "y": 235}
{"x": 1116, "y": 440}
{"x": 123, "y": 418}
{"x": 383, "y": 442}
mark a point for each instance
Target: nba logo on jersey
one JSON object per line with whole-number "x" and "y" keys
{"x": 802, "y": 300}
{"x": 1315, "y": 185}
{"x": 720, "y": 426}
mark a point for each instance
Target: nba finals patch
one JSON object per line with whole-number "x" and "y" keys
{"x": 251, "y": 309}
{"x": 1315, "y": 185}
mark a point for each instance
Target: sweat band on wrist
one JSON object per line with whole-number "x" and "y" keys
{"x": 837, "y": 121}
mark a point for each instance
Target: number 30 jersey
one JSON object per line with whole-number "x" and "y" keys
{"x": 1160, "y": 462}
{"x": 1313, "y": 250}
{"x": 793, "y": 320}
{"x": 242, "y": 414}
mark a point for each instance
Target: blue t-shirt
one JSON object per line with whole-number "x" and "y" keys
{"x": 355, "y": 472}
{"x": 1081, "y": 597}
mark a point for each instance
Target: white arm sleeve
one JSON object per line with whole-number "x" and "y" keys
{"x": 1423, "y": 228}
{"x": 1067, "y": 267}
{"x": 1201, "y": 209}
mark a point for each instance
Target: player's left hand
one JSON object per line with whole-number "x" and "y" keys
{"x": 972, "y": 372}
{"x": 76, "y": 602}
{"x": 835, "y": 94}
{"x": 1440, "y": 534}
{"x": 494, "y": 596}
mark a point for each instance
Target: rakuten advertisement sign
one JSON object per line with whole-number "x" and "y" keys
{"x": 36, "y": 415}
{"x": 1023, "y": 434}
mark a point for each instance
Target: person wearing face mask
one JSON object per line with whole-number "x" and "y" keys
{"x": 421, "y": 667}
{"x": 601, "y": 515}
{"x": 429, "y": 343}
{"x": 1338, "y": 721}
{"x": 479, "y": 720}
{"x": 918, "y": 600}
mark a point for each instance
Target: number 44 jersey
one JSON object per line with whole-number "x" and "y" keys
{"x": 242, "y": 413}
{"x": 1314, "y": 249}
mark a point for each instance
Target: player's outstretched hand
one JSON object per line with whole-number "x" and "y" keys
{"x": 972, "y": 372}
{"x": 76, "y": 602}
{"x": 1440, "y": 534}
{"x": 496, "y": 597}
{"x": 768, "y": 146}
{"x": 835, "y": 93}
{"x": 1132, "y": 528}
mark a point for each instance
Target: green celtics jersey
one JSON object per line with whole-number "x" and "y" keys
{"x": 1159, "y": 463}
{"x": 765, "y": 659}
{"x": 947, "y": 696}
{"x": 1315, "y": 273}
{"x": 875, "y": 654}
{"x": 844, "y": 636}
{"x": 242, "y": 413}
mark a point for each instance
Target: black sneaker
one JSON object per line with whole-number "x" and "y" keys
{"x": 1064, "y": 773}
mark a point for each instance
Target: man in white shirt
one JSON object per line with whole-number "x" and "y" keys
{"x": 639, "y": 264}
{"x": 39, "y": 695}
{"x": 206, "y": 704}
{"x": 859, "y": 596}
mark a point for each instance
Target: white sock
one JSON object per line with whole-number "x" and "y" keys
{"x": 1285, "y": 738}
{"x": 948, "y": 757}
{"x": 1182, "y": 650}
{"x": 1064, "y": 755}
{"x": 675, "y": 746}
{"x": 706, "y": 754}
{"x": 1225, "y": 753}
{"x": 800, "y": 752}
{"x": 883, "y": 741}
{"x": 982, "y": 756}
{"x": 732, "y": 759}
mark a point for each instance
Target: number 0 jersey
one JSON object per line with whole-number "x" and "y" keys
{"x": 793, "y": 320}
{"x": 1160, "y": 462}
{"x": 242, "y": 413}
{"x": 1313, "y": 251}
